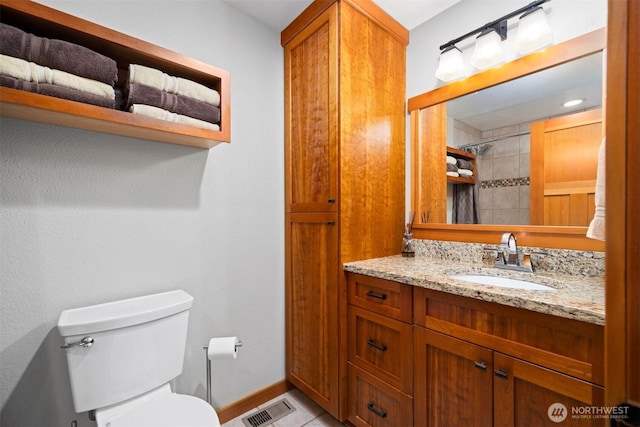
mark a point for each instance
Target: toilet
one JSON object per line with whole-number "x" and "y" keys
{"x": 122, "y": 356}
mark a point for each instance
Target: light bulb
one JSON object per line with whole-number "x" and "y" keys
{"x": 534, "y": 32}
{"x": 451, "y": 65}
{"x": 488, "y": 50}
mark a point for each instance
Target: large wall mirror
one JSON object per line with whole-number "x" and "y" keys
{"x": 533, "y": 159}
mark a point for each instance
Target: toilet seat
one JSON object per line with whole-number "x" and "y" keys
{"x": 160, "y": 408}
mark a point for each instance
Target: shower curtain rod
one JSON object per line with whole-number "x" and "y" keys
{"x": 477, "y": 144}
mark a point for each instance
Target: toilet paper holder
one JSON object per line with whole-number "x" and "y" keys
{"x": 208, "y": 367}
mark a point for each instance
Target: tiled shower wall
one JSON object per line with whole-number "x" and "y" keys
{"x": 503, "y": 171}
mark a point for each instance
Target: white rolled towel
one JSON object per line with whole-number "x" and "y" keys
{"x": 452, "y": 160}
{"x": 159, "y": 113}
{"x": 596, "y": 228}
{"x": 175, "y": 85}
{"x": 32, "y": 72}
{"x": 465, "y": 172}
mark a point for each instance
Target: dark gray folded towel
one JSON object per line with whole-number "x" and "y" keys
{"x": 142, "y": 94}
{"x": 452, "y": 168}
{"x": 465, "y": 164}
{"x": 56, "y": 91}
{"x": 58, "y": 54}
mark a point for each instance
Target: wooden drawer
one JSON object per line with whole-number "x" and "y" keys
{"x": 375, "y": 403}
{"x": 564, "y": 345}
{"x": 382, "y": 347}
{"x": 392, "y": 299}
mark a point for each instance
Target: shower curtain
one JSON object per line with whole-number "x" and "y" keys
{"x": 466, "y": 200}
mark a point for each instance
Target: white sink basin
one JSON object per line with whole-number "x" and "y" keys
{"x": 502, "y": 282}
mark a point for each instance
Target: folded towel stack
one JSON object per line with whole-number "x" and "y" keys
{"x": 465, "y": 164}
{"x": 152, "y": 93}
{"x": 459, "y": 167}
{"x": 56, "y": 68}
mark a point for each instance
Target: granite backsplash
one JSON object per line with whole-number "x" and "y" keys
{"x": 561, "y": 261}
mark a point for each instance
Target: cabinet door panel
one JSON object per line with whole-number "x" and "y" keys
{"x": 311, "y": 136}
{"x": 453, "y": 381}
{"x": 524, "y": 394}
{"x": 312, "y": 305}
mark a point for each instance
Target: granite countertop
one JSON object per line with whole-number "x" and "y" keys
{"x": 573, "y": 297}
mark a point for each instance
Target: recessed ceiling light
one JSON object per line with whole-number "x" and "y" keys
{"x": 573, "y": 103}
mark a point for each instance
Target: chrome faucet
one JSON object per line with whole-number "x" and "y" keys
{"x": 508, "y": 255}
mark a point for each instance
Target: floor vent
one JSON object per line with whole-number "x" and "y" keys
{"x": 269, "y": 415}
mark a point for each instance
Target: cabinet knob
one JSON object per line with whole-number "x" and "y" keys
{"x": 376, "y": 295}
{"x": 378, "y": 412}
{"x": 331, "y": 222}
{"x": 374, "y": 344}
{"x": 331, "y": 201}
{"x": 501, "y": 373}
{"x": 481, "y": 365}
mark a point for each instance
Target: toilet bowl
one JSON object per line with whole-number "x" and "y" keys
{"x": 122, "y": 356}
{"x": 159, "y": 408}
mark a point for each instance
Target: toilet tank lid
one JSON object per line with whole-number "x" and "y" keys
{"x": 123, "y": 313}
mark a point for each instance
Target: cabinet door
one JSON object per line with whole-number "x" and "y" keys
{"x": 311, "y": 291}
{"x": 453, "y": 381}
{"x": 529, "y": 395}
{"x": 562, "y": 195}
{"x": 311, "y": 117}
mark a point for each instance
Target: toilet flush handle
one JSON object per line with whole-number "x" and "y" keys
{"x": 85, "y": 342}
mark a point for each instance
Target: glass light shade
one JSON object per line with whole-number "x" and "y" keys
{"x": 534, "y": 32}
{"x": 488, "y": 50}
{"x": 451, "y": 65}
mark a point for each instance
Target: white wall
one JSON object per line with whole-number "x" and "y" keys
{"x": 87, "y": 218}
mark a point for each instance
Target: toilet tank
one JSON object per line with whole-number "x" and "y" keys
{"x": 138, "y": 345}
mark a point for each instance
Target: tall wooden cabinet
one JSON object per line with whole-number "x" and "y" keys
{"x": 344, "y": 176}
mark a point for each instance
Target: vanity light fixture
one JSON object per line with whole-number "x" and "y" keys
{"x": 533, "y": 33}
{"x": 488, "y": 52}
{"x": 451, "y": 65}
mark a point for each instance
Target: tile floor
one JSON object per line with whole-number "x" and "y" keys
{"x": 307, "y": 413}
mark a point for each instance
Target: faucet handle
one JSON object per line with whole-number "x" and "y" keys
{"x": 500, "y": 255}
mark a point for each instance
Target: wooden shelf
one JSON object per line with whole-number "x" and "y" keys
{"x": 459, "y": 154}
{"x": 47, "y": 22}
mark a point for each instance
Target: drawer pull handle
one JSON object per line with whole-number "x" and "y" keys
{"x": 331, "y": 222}
{"x": 331, "y": 201}
{"x": 375, "y": 295}
{"x": 501, "y": 373}
{"x": 378, "y": 412}
{"x": 374, "y": 344}
{"x": 481, "y": 365}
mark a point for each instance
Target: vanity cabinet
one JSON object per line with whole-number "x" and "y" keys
{"x": 380, "y": 364}
{"x": 465, "y": 361}
{"x": 125, "y": 50}
{"x": 344, "y": 176}
{"x": 480, "y": 363}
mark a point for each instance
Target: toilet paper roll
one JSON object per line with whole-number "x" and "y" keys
{"x": 223, "y": 348}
